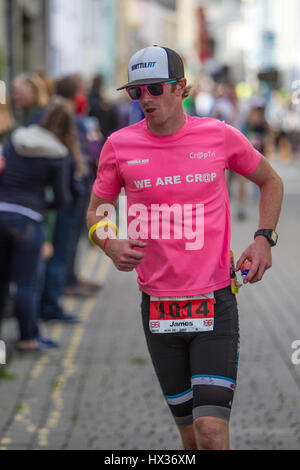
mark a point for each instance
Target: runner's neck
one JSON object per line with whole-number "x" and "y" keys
{"x": 170, "y": 126}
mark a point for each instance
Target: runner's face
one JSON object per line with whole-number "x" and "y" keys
{"x": 160, "y": 109}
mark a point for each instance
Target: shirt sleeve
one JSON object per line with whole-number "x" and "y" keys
{"x": 108, "y": 182}
{"x": 241, "y": 156}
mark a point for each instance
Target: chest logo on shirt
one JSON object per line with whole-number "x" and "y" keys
{"x": 139, "y": 161}
{"x": 202, "y": 155}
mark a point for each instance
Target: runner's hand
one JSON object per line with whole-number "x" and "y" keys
{"x": 124, "y": 255}
{"x": 259, "y": 253}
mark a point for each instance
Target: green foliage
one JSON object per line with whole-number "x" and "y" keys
{"x": 6, "y": 374}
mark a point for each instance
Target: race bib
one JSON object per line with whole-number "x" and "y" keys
{"x": 182, "y": 314}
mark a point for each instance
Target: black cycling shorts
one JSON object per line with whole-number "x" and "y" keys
{"x": 197, "y": 371}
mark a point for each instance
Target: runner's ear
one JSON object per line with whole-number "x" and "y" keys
{"x": 181, "y": 85}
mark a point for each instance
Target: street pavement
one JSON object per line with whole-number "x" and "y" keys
{"x": 99, "y": 390}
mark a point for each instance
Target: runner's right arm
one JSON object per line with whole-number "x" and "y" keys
{"x": 122, "y": 252}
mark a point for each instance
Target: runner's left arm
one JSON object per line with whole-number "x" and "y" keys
{"x": 271, "y": 196}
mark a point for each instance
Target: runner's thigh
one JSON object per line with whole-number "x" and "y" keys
{"x": 214, "y": 360}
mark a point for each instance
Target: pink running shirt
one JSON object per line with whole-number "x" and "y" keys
{"x": 185, "y": 170}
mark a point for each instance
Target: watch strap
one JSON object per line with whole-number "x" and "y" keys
{"x": 269, "y": 234}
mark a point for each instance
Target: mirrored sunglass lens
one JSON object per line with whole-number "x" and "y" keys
{"x": 156, "y": 89}
{"x": 135, "y": 93}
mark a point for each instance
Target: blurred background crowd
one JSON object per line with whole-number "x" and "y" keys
{"x": 60, "y": 64}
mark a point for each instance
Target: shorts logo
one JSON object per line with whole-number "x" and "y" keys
{"x": 213, "y": 380}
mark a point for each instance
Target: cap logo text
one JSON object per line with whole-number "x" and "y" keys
{"x": 143, "y": 65}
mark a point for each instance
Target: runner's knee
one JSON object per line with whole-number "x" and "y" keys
{"x": 211, "y": 433}
{"x": 188, "y": 437}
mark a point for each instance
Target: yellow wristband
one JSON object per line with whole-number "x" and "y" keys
{"x": 101, "y": 224}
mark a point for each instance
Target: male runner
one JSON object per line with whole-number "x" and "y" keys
{"x": 173, "y": 165}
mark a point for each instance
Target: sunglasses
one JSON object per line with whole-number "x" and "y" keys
{"x": 154, "y": 89}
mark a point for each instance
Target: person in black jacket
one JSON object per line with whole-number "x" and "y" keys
{"x": 106, "y": 114}
{"x": 36, "y": 158}
{"x": 61, "y": 275}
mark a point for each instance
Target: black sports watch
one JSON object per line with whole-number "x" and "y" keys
{"x": 270, "y": 235}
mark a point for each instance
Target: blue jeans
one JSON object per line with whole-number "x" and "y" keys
{"x": 82, "y": 206}
{"x": 20, "y": 247}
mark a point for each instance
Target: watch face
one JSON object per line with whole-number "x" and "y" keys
{"x": 274, "y": 236}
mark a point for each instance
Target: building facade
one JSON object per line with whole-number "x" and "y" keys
{"x": 23, "y": 43}
{"x": 99, "y": 36}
